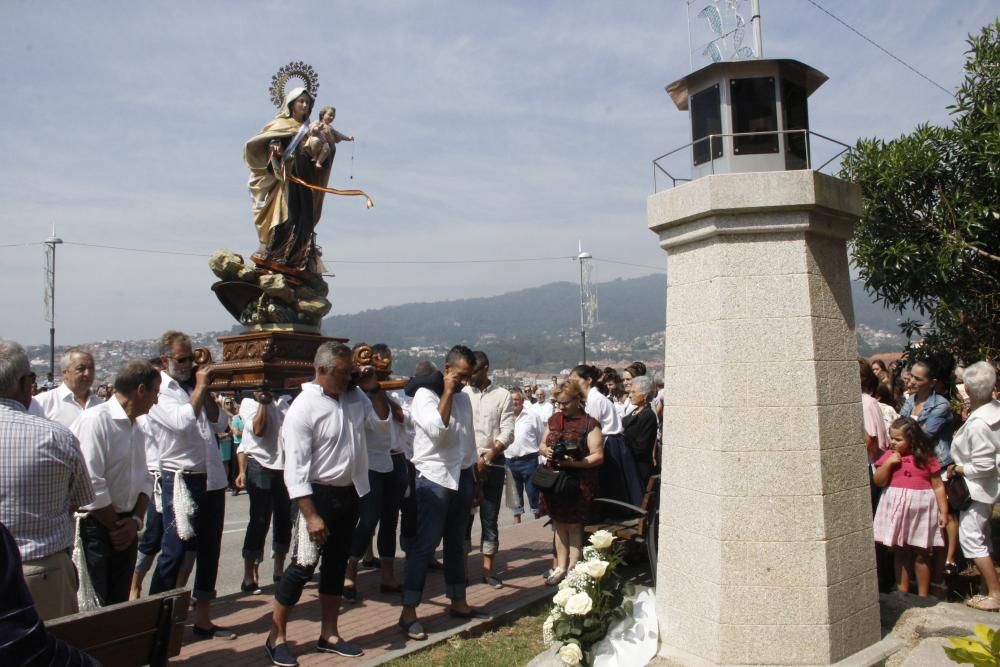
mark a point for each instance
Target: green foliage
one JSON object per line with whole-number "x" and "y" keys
{"x": 929, "y": 237}
{"x": 981, "y": 651}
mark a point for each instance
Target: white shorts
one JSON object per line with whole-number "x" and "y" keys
{"x": 974, "y": 530}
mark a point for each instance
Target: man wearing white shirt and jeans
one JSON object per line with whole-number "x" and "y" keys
{"x": 68, "y": 401}
{"x": 444, "y": 455}
{"x": 184, "y": 425}
{"x": 114, "y": 449}
{"x": 326, "y": 471}
{"x": 262, "y": 474}
{"x": 522, "y": 455}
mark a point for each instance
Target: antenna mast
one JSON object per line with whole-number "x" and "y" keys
{"x": 758, "y": 40}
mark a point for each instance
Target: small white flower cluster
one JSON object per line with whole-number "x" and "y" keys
{"x": 573, "y": 599}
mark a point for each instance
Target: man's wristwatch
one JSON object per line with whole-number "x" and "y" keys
{"x": 138, "y": 522}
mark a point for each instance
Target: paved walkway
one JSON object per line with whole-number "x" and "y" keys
{"x": 525, "y": 555}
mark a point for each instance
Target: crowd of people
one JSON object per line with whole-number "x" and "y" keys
{"x": 98, "y": 493}
{"x": 933, "y": 440}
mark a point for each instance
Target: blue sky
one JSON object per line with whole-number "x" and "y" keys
{"x": 485, "y": 131}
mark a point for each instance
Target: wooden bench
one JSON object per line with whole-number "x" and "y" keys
{"x": 147, "y": 631}
{"x": 640, "y": 529}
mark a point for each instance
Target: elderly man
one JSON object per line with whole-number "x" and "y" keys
{"x": 493, "y": 416}
{"x": 326, "y": 471}
{"x": 444, "y": 455}
{"x": 542, "y": 407}
{"x": 193, "y": 482}
{"x": 67, "y": 401}
{"x": 522, "y": 455}
{"x": 114, "y": 449}
{"x": 262, "y": 473}
{"x": 42, "y": 480}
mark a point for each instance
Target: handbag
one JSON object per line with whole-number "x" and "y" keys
{"x": 959, "y": 497}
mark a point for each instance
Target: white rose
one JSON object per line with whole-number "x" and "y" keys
{"x": 570, "y": 654}
{"x": 562, "y": 596}
{"x": 602, "y": 539}
{"x": 579, "y": 604}
{"x": 595, "y": 569}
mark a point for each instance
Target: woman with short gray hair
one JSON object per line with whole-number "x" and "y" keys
{"x": 974, "y": 449}
{"x": 640, "y": 426}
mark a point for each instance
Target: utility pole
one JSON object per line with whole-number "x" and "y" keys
{"x": 758, "y": 40}
{"x": 50, "y": 295}
{"x": 582, "y": 257}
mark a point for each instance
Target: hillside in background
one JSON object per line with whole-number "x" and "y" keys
{"x": 539, "y": 328}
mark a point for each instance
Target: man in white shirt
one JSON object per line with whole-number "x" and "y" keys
{"x": 193, "y": 482}
{"x": 67, "y": 401}
{"x": 114, "y": 449}
{"x": 402, "y": 456}
{"x": 326, "y": 471}
{"x": 444, "y": 455}
{"x": 262, "y": 474}
{"x": 542, "y": 406}
{"x": 380, "y": 506}
{"x": 493, "y": 416}
{"x": 522, "y": 455}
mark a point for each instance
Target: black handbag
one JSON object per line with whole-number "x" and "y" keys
{"x": 959, "y": 497}
{"x": 555, "y": 482}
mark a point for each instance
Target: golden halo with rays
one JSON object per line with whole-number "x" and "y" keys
{"x": 298, "y": 70}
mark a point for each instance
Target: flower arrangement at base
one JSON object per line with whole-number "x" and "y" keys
{"x": 590, "y": 600}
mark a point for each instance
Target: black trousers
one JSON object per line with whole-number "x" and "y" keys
{"x": 110, "y": 570}
{"x": 338, "y": 506}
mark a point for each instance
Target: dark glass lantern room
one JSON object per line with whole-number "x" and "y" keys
{"x": 748, "y": 115}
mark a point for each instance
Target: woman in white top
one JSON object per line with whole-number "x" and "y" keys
{"x": 619, "y": 475}
{"x": 974, "y": 448}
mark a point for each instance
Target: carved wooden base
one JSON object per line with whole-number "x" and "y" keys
{"x": 274, "y": 360}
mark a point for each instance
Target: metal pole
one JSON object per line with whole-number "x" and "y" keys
{"x": 583, "y": 328}
{"x": 758, "y": 40}
{"x": 51, "y": 242}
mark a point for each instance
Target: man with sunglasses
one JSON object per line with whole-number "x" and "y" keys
{"x": 193, "y": 481}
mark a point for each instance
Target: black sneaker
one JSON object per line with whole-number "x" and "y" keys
{"x": 346, "y": 649}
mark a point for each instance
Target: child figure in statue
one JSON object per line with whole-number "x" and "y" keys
{"x": 323, "y": 139}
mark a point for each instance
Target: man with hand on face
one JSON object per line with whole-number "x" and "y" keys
{"x": 262, "y": 466}
{"x": 66, "y": 402}
{"x": 193, "y": 482}
{"x": 326, "y": 471}
{"x": 493, "y": 417}
{"x": 114, "y": 449}
{"x": 444, "y": 455}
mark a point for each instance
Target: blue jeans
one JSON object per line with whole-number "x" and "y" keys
{"x": 489, "y": 507}
{"x": 378, "y": 507}
{"x": 408, "y": 505}
{"x": 208, "y": 521}
{"x": 522, "y": 468}
{"x": 152, "y": 534}
{"x": 268, "y": 496}
{"x": 441, "y": 512}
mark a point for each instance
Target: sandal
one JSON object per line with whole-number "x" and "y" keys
{"x": 983, "y": 603}
{"x": 557, "y": 575}
{"x": 213, "y": 632}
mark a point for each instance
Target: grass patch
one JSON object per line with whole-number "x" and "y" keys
{"x": 510, "y": 645}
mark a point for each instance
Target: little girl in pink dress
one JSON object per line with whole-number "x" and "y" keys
{"x": 914, "y": 509}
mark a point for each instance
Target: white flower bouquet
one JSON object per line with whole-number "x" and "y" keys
{"x": 590, "y": 599}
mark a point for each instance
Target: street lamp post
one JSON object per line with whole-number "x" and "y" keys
{"x": 583, "y": 256}
{"x": 50, "y": 295}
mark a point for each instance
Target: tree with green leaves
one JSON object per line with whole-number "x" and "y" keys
{"x": 929, "y": 237}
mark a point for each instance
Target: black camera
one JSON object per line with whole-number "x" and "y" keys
{"x": 567, "y": 449}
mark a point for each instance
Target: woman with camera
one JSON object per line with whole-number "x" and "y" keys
{"x": 573, "y": 445}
